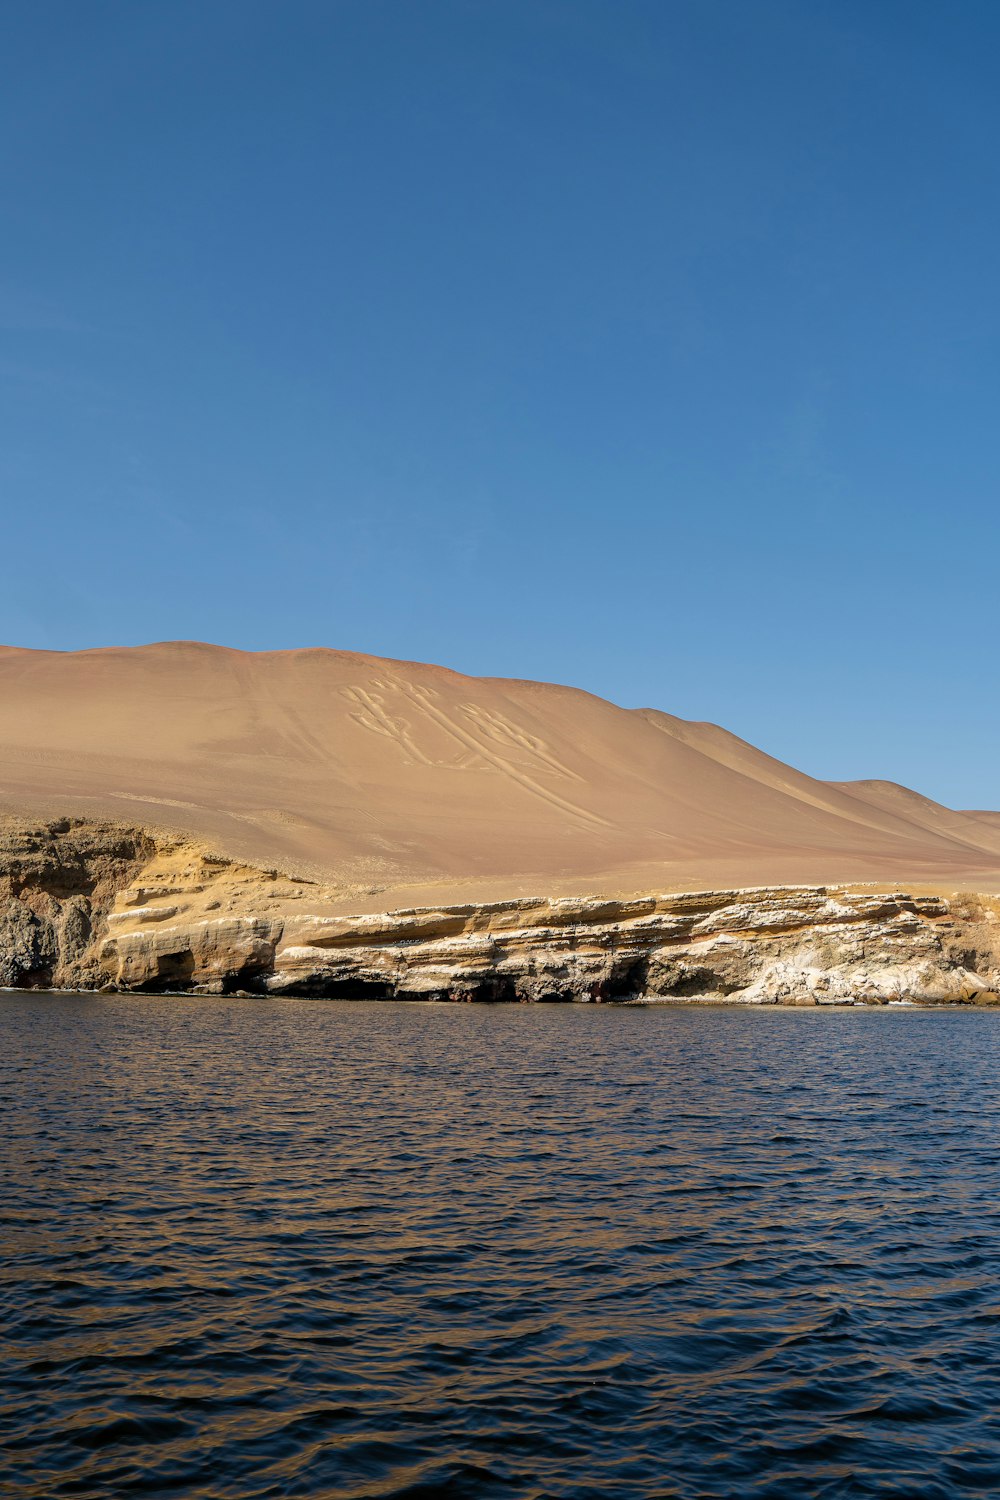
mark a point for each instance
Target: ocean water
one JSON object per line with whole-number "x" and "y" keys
{"x": 305, "y": 1248}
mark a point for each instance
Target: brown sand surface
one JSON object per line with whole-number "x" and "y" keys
{"x": 402, "y": 782}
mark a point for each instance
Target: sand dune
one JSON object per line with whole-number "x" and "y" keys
{"x": 399, "y": 776}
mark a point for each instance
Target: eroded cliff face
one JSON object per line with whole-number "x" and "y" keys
{"x": 88, "y": 905}
{"x": 806, "y": 945}
{"x": 57, "y": 881}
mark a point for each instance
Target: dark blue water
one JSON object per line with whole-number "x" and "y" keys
{"x": 290, "y": 1248}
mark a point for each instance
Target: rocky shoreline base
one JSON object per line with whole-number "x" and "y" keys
{"x": 94, "y": 906}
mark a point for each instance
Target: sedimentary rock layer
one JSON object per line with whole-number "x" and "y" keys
{"x": 87, "y": 905}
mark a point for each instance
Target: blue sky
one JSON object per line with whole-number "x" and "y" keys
{"x": 650, "y": 347}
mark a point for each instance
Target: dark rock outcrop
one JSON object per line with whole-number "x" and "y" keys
{"x": 58, "y": 880}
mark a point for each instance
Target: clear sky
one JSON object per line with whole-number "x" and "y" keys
{"x": 645, "y": 345}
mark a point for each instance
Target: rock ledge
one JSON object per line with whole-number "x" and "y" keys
{"x": 97, "y": 906}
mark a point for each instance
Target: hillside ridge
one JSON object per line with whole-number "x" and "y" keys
{"x": 397, "y": 782}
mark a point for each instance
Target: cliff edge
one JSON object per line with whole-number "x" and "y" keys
{"x": 98, "y": 906}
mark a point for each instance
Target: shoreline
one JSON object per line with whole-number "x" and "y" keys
{"x": 637, "y": 1002}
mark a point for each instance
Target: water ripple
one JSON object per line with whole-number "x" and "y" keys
{"x": 307, "y": 1248}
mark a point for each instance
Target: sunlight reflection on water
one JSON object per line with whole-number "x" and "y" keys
{"x": 301, "y": 1247}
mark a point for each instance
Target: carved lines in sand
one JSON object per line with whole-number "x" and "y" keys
{"x": 511, "y": 736}
{"x": 484, "y": 737}
{"x": 372, "y": 714}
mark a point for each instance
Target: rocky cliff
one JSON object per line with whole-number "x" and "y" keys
{"x": 58, "y": 880}
{"x": 90, "y": 905}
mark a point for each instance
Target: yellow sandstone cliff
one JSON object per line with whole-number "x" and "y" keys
{"x": 86, "y": 905}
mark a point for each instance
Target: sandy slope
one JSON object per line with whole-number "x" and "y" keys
{"x": 390, "y": 776}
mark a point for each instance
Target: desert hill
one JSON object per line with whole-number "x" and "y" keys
{"x": 385, "y": 776}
